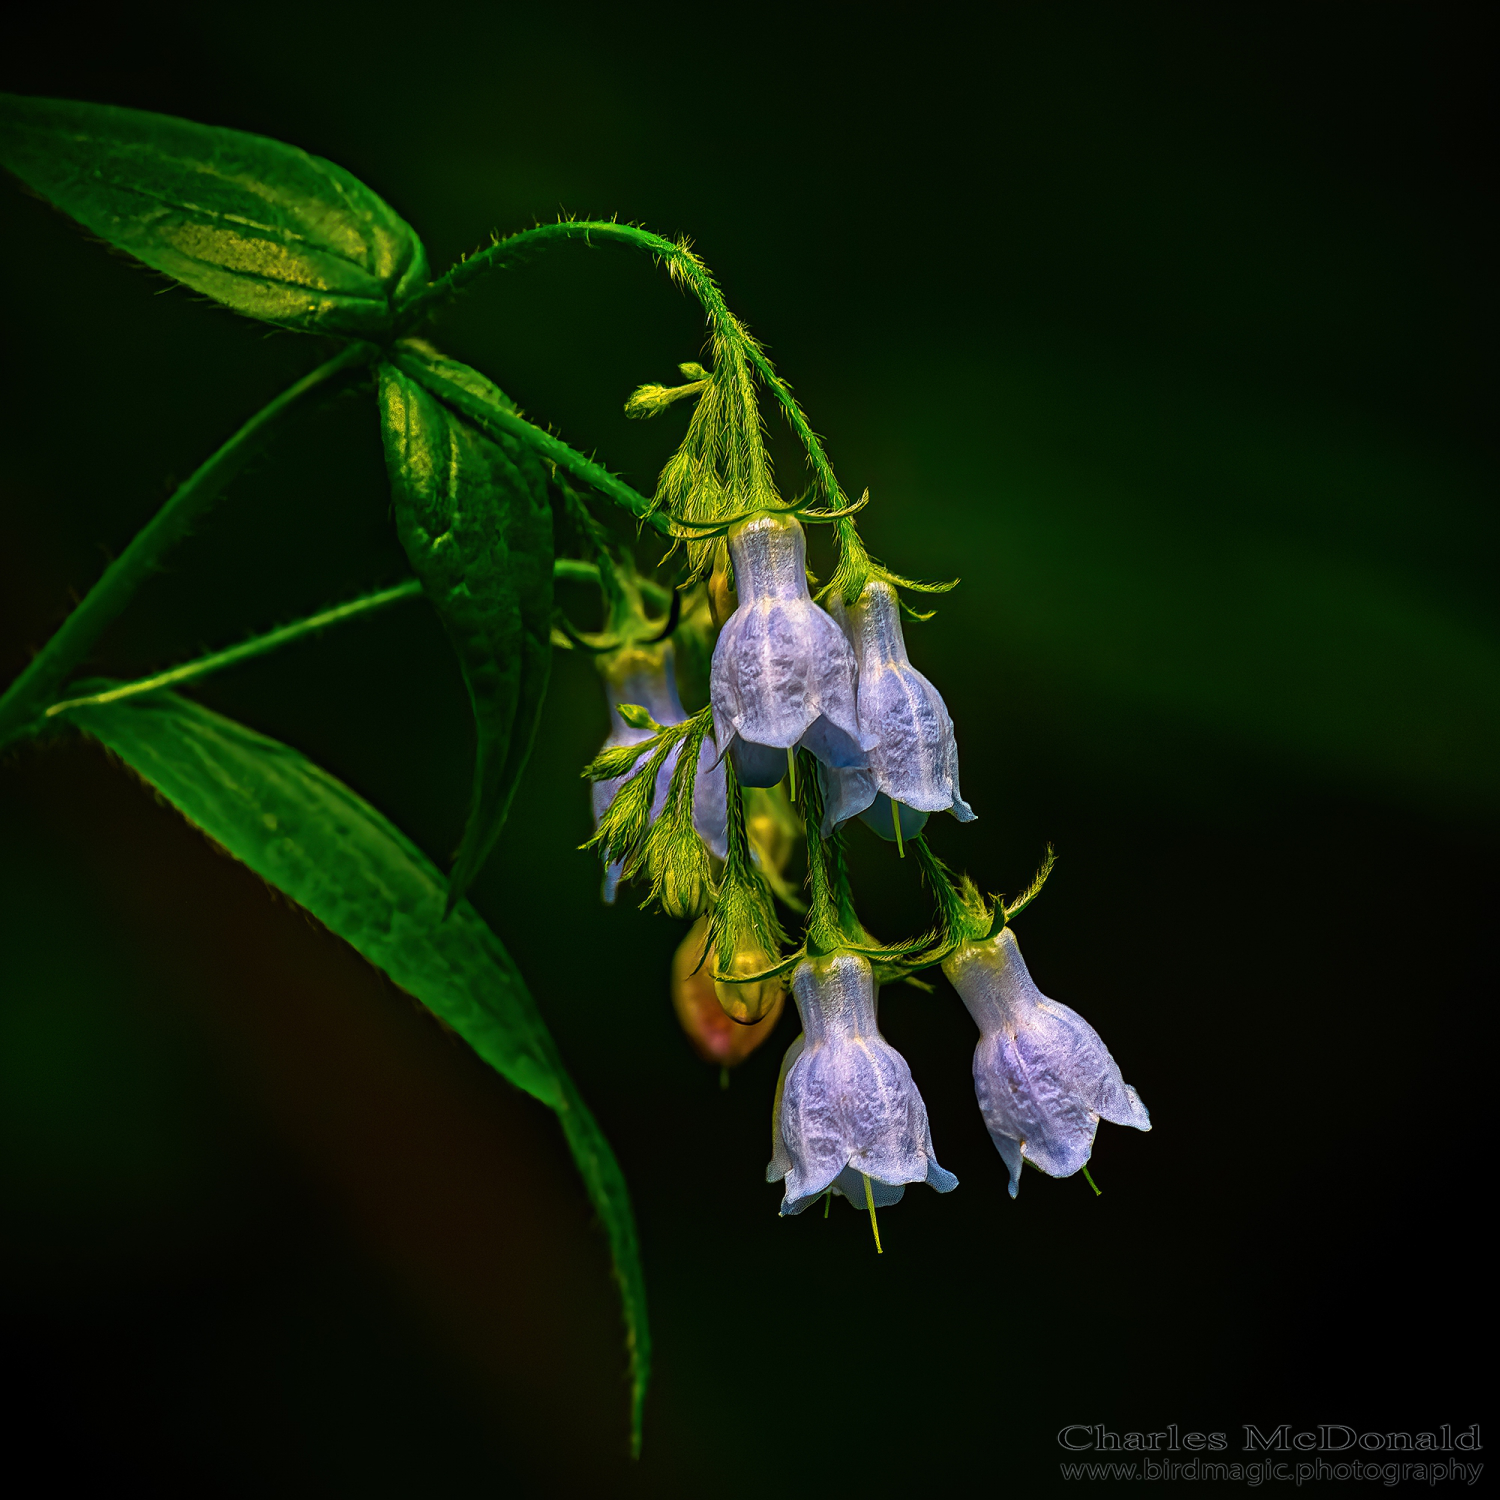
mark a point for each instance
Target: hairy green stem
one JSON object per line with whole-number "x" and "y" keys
{"x": 259, "y": 646}
{"x": 185, "y": 507}
{"x": 682, "y": 263}
{"x": 514, "y": 246}
{"x": 945, "y": 894}
{"x": 570, "y": 568}
{"x": 575, "y": 570}
{"x": 497, "y": 421}
{"x": 823, "y": 928}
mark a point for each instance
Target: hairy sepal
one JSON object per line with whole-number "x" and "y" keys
{"x": 625, "y": 823}
{"x": 675, "y": 857}
{"x": 742, "y": 920}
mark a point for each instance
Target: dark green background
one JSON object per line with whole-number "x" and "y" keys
{"x": 1163, "y": 328}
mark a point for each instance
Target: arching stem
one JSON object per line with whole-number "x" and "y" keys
{"x": 183, "y": 510}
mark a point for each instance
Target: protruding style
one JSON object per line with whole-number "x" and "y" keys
{"x": 1043, "y": 1076}
{"x": 846, "y": 1107}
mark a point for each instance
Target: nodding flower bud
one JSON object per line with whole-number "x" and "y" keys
{"x": 1043, "y": 1076}
{"x": 745, "y": 939}
{"x": 682, "y": 889}
{"x": 847, "y": 1112}
{"x": 644, "y": 675}
{"x": 715, "y": 1037}
{"x": 783, "y": 673}
{"x": 913, "y": 768}
{"x": 745, "y": 1000}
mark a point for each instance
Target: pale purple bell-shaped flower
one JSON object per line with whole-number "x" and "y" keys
{"x": 783, "y": 672}
{"x": 648, "y": 680}
{"x": 847, "y": 1108}
{"x": 1043, "y": 1076}
{"x": 914, "y": 763}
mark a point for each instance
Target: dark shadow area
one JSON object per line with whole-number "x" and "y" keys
{"x": 1161, "y": 329}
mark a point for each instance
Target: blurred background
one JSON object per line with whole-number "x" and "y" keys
{"x": 1163, "y": 328}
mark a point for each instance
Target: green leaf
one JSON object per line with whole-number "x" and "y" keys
{"x": 258, "y": 225}
{"x": 308, "y": 835}
{"x": 473, "y": 515}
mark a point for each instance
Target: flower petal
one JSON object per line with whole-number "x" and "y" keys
{"x": 848, "y": 1103}
{"x": 782, "y": 671}
{"x": 1042, "y": 1075}
{"x": 914, "y": 760}
{"x": 846, "y": 794}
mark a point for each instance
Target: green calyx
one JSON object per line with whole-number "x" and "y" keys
{"x": 630, "y": 629}
{"x": 833, "y": 924}
{"x": 963, "y": 914}
{"x": 675, "y": 857}
{"x": 667, "y": 848}
{"x": 744, "y": 934}
{"x": 856, "y": 570}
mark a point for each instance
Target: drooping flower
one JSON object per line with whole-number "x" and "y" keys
{"x": 645, "y": 676}
{"x": 783, "y": 673}
{"x": 846, "y": 1106}
{"x": 1043, "y": 1076}
{"x": 716, "y": 1038}
{"x": 913, "y": 768}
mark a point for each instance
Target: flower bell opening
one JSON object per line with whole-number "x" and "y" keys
{"x": 1042, "y": 1075}
{"x": 848, "y": 1118}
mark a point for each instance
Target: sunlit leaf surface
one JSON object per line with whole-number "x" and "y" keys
{"x": 263, "y": 227}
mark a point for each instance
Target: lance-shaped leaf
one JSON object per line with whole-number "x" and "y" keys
{"x": 307, "y": 834}
{"x": 472, "y": 513}
{"x": 261, "y": 226}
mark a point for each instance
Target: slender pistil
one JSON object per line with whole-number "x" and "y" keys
{"x": 896, "y": 822}
{"x": 1091, "y": 1182}
{"x": 870, "y": 1204}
